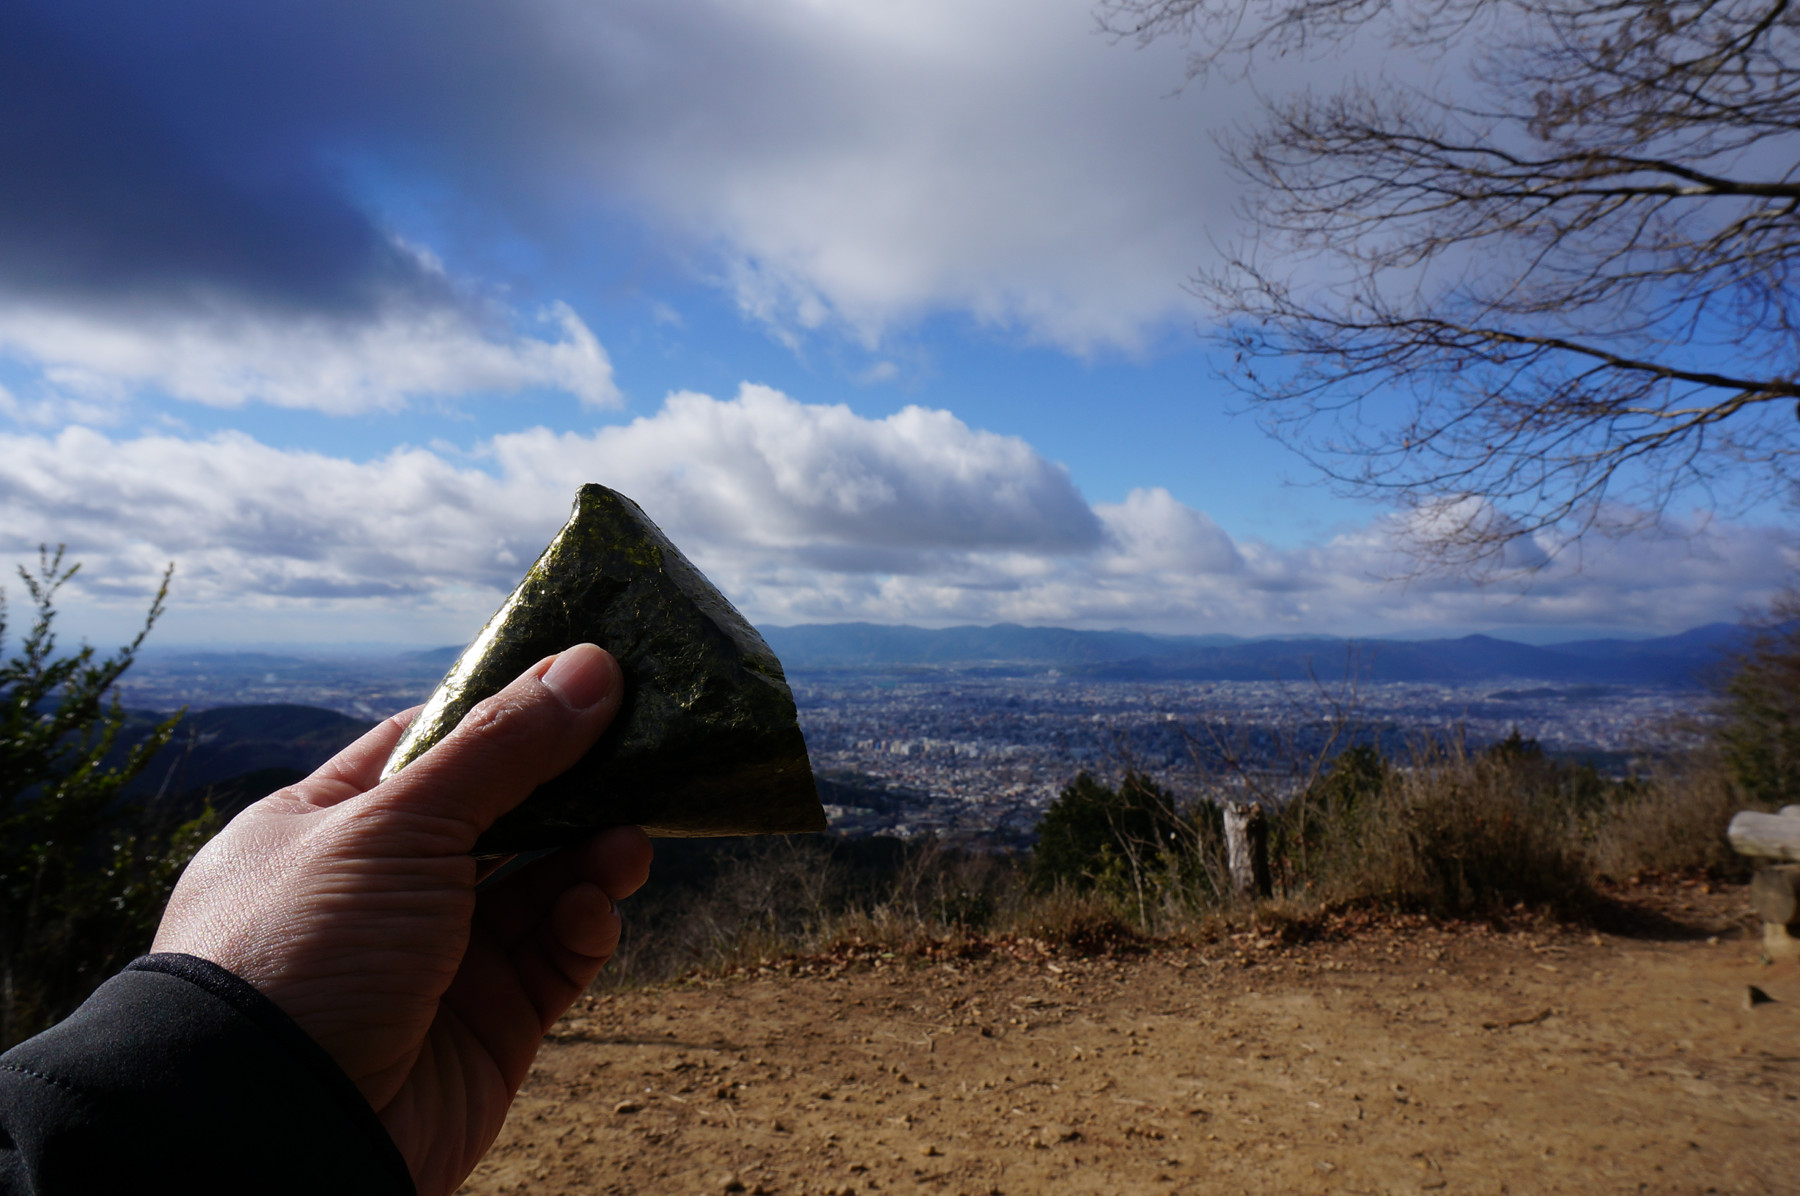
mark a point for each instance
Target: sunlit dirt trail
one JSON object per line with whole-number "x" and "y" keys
{"x": 1408, "y": 1058}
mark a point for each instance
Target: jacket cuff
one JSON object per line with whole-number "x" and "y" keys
{"x": 176, "y": 1066}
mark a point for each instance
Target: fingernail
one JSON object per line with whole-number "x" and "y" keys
{"x": 581, "y": 676}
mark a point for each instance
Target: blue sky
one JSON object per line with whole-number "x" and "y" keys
{"x": 878, "y": 307}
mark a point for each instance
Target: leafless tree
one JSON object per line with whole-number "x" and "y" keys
{"x": 1550, "y": 292}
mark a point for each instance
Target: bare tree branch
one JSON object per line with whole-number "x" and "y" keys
{"x": 1548, "y": 299}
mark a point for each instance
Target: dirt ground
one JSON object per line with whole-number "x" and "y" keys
{"x": 1393, "y": 1058}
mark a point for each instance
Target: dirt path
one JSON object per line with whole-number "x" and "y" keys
{"x": 1403, "y": 1060}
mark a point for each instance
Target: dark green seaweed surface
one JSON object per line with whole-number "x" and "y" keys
{"x": 706, "y": 742}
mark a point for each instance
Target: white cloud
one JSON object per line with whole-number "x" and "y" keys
{"x": 763, "y": 473}
{"x": 1656, "y": 582}
{"x": 800, "y": 512}
{"x": 867, "y": 164}
{"x": 340, "y": 365}
{"x": 1151, "y": 530}
{"x": 55, "y": 410}
{"x": 756, "y": 478}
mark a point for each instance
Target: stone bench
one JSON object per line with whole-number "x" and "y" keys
{"x": 1775, "y": 889}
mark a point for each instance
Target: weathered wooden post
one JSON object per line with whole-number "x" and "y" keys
{"x": 1775, "y": 889}
{"x": 1247, "y": 848}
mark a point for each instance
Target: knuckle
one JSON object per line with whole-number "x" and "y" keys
{"x": 510, "y": 721}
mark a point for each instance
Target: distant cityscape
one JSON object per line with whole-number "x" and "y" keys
{"x": 965, "y": 754}
{"x": 985, "y": 756}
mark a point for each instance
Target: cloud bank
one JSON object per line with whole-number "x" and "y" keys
{"x": 801, "y": 512}
{"x": 230, "y": 358}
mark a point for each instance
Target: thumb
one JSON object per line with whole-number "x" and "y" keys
{"x": 509, "y": 744}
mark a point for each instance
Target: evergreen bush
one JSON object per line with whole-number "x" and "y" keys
{"x": 84, "y": 874}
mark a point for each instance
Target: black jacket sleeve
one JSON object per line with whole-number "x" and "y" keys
{"x": 178, "y": 1076}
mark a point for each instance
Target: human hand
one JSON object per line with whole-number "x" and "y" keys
{"x": 350, "y": 902}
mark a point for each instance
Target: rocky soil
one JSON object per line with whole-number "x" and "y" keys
{"x": 1395, "y": 1056}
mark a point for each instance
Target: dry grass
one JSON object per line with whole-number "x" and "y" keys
{"x": 1676, "y": 823}
{"x": 1453, "y": 833}
{"x": 1460, "y": 833}
{"x": 720, "y": 904}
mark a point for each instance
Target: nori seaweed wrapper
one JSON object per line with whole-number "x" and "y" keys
{"x": 706, "y": 741}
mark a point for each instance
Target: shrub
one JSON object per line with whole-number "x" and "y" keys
{"x": 1673, "y": 820}
{"x": 1095, "y": 836}
{"x": 1460, "y": 831}
{"x": 1323, "y": 821}
{"x": 1082, "y": 923}
{"x": 1457, "y": 832}
{"x": 83, "y": 874}
{"x": 1446, "y": 830}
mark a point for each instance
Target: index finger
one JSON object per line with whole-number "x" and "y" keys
{"x": 357, "y": 768}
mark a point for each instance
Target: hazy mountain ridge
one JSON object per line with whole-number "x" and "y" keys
{"x": 1688, "y": 659}
{"x": 1682, "y": 660}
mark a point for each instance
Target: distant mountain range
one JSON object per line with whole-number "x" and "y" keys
{"x": 164, "y": 680}
{"x": 1685, "y": 660}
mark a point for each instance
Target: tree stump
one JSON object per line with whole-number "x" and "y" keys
{"x": 1247, "y": 848}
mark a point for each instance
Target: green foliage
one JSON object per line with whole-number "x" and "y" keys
{"x": 83, "y": 873}
{"x": 1759, "y": 737}
{"x": 1446, "y": 829}
{"x": 1321, "y": 823}
{"x": 1095, "y": 836}
{"x": 1356, "y": 775}
{"x": 1515, "y": 750}
{"x": 1566, "y": 788}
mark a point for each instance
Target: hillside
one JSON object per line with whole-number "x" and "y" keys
{"x": 1393, "y": 1058}
{"x": 233, "y": 754}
